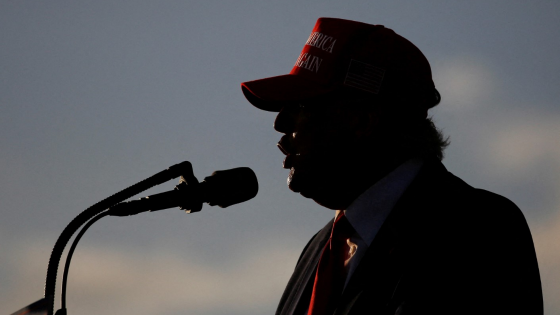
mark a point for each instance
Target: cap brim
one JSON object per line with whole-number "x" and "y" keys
{"x": 272, "y": 93}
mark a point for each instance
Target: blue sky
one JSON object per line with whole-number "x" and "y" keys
{"x": 97, "y": 95}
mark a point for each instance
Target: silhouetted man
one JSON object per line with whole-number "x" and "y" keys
{"x": 408, "y": 236}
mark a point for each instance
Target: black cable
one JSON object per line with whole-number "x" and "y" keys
{"x": 71, "y": 252}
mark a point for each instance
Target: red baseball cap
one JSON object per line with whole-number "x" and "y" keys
{"x": 350, "y": 57}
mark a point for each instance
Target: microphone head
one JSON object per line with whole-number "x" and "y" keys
{"x": 228, "y": 187}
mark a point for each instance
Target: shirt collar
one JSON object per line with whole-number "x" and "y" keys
{"x": 367, "y": 213}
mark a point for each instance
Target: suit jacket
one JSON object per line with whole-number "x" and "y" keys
{"x": 446, "y": 248}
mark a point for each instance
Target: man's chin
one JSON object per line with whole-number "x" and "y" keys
{"x": 318, "y": 188}
{"x": 307, "y": 194}
{"x": 319, "y": 194}
{"x": 300, "y": 182}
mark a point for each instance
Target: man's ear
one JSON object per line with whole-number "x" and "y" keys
{"x": 365, "y": 122}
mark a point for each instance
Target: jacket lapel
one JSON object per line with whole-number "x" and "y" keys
{"x": 382, "y": 266}
{"x": 295, "y": 298}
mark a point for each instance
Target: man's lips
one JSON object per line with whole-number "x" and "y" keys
{"x": 288, "y": 162}
{"x": 285, "y": 146}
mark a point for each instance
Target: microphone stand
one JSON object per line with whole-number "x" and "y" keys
{"x": 94, "y": 213}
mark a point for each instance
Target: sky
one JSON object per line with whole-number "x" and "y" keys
{"x": 98, "y": 95}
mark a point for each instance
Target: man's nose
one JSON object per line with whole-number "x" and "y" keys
{"x": 284, "y": 122}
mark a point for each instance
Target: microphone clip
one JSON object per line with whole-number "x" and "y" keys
{"x": 193, "y": 199}
{"x": 190, "y": 189}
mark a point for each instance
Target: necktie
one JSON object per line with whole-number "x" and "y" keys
{"x": 331, "y": 275}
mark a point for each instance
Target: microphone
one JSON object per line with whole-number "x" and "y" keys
{"x": 222, "y": 188}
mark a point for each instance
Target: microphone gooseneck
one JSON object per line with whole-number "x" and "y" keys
{"x": 57, "y": 251}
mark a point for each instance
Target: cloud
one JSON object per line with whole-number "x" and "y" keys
{"x": 521, "y": 155}
{"x": 109, "y": 280}
{"x": 525, "y": 139}
{"x": 463, "y": 81}
{"x": 548, "y": 252}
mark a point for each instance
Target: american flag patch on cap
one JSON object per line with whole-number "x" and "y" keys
{"x": 364, "y": 76}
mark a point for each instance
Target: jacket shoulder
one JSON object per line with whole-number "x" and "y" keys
{"x": 488, "y": 238}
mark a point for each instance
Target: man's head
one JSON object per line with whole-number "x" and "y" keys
{"x": 327, "y": 141}
{"x": 353, "y": 107}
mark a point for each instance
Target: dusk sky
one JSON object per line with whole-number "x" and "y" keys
{"x": 98, "y": 95}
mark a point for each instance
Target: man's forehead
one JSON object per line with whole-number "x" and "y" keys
{"x": 336, "y": 101}
{"x": 322, "y": 108}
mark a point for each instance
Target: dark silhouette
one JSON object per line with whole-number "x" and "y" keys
{"x": 357, "y": 139}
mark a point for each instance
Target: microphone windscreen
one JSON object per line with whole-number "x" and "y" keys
{"x": 228, "y": 187}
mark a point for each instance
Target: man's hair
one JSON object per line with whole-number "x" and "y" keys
{"x": 408, "y": 133}
{"x": 421, "y": 139}
{"x": 405, "y": 129}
